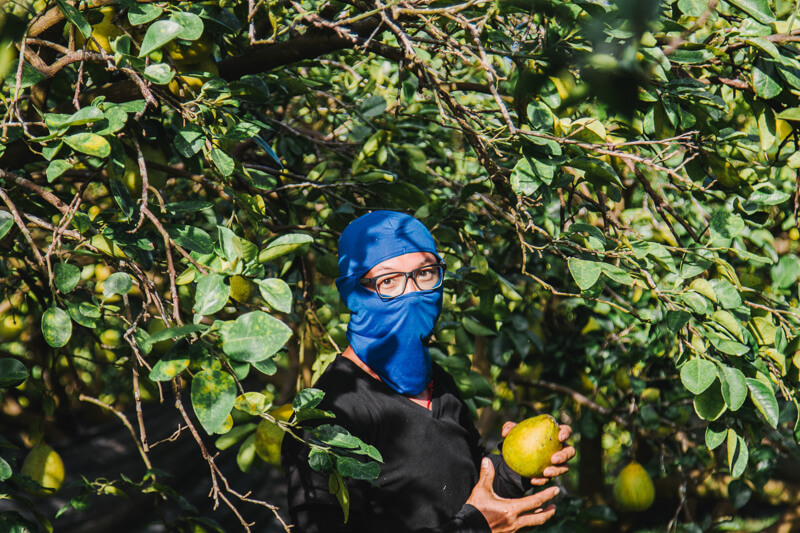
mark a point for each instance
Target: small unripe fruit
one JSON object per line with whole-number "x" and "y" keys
{"x": 633, "y": 488}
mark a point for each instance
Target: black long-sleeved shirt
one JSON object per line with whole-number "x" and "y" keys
{"x": 431, "y": 461}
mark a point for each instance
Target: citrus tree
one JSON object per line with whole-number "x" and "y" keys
{"x": 613, "y": 186}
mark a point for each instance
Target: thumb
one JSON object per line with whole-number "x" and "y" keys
{"x": 487, "y": 472}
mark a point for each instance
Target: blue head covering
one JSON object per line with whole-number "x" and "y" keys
{"x": 389, "y": 336}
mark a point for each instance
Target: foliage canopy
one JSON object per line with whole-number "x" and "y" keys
{"x": 613, "y": 186}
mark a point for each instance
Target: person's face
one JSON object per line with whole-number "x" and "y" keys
{"x": 403, "y": 263}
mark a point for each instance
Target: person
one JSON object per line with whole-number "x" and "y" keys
{"x": 436, "y": 476}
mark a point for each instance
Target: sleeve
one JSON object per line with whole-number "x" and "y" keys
{"x": 313, "y": 509}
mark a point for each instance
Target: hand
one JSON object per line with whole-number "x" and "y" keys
{"x": 558, "y": 458}
{"x": 509, "y": 515}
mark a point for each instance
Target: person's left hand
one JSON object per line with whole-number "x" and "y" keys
{"x": 558, "y": 459}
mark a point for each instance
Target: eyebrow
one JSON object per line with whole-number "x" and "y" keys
{"x": 386, "y": 270}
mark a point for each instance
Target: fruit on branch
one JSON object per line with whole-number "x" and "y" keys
{"x": 102, "y": 33}
{"x": 189, "y": 52}
{"x": 132, "y": 177}
{"x": 242, "y": 289}
{"x": 633, "y": 488}
{"x": 529, "y": 446}
{"x": 44, "y": 466}
{"x": 192, "y": 76}
{"x": 11, "y": 326}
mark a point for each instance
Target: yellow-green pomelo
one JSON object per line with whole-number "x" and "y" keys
{"x": 529, "y": 446}
{"x": 241, "y": 288}
{"x": 44, "y": 465}
{"x": 11, "y": 326}
{"x": 633, "y": 488}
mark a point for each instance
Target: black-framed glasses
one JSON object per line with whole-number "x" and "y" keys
{"x": 393, "y": 284}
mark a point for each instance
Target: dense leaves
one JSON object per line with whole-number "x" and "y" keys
{"x": 613, "y": 186}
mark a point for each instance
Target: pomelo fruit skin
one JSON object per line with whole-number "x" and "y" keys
{"x": 529, "y": 446}
{"x": 44, "y": 465}
{"x": 633, "y": 488}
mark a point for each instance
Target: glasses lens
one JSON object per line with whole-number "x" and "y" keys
{"x": 428, "y": 278}
{"x": 390, "y": 285}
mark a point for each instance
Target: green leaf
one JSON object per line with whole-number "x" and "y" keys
{"x": 336, "y": 435}
{"x": 5, "y": 470}
{"x": 189, "y": 140}
{"x": 191, "y": 25}
{"x": 523, "y": 180}
{"x": 765, "y": 79}
{"x": 56, "y": 327}
{"x": 56, "y": 168}
{"x": 253, "y": 403}
{"x": 698, "y": 374}
{"x": 758, "y": 9}
{"x": 693, "y": 8}
{"x": 158, "y": 73}
{"x": 786, "y": 271}
{"x": 246, "y": 454}
{"x": 764, "y": 399}
{"x": 86, "y": 115}
{"x": 213, "y": 396}
{"x": 585, "y": 273}
{"x": 373, "y": 106}
{"x": 337, "y": 487}
{"x": 6, "y": 222}
{"x": 733, "y": 386}
{"x": 211, "y": 294}
{"x": 307, "y": 399}
{"x": 117, "y": 283}
{"x": 12, "y": 373}
{"x": 86, "y": 314}
{"x": 727, "y": 293}
{"x": 175, "y": 332}
{"x": 142, "y": 13}
{"x": 266, "y": 367}
{"x": 738, "y": 454}
{"x": 724, "y": 227}
{"x": 192, "y": 238}
{"x": 254, "y": 337}
{"x": 188, "y": 206}
{"x": 224, "y": 163}
{"x": 714, "y": 438}
{"x": 615, "y": 273}
{"x": 709, "y": 405}
{"x": 476, "y": 328}
{"x": 235, "y": 435}
{"x": 89, "y": 143}
{"x": 283, "y": 245}
{"x": 727, "y": 346}
{"x": 175, "y": 361}
{"x": 158, "y": 34}
{"x": 276, "y": 293}
{"x": 123, "y": 198}
{"x": 676, "y": 320}
{"x": 597, "y": 171}
{"x": 75, "y": 18}
{"x": 66, "y": 277}
{"x": 793, "y": 113}
{"x": 352, "y": 468}
{"x": 765, "y": 46}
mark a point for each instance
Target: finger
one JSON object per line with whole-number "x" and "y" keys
{"x": 564, "y": 431}
{"x": 487, "y": 473}
{"x": 555, "y": 471}
{"x": 534, "y": 501}
{"x": 507, "y": 427}
{"x": 537, "y": 518}
{"x": 562, "y": 456}
{"x": 539, "y": 481}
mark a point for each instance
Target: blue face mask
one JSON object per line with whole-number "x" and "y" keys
{"x": 389, "y": 336}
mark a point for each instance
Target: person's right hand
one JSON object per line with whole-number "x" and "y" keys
{"x": 508, "y": 515}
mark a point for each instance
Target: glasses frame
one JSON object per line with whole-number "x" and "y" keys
{"x": 373, "y": 281}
